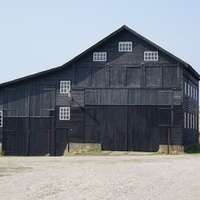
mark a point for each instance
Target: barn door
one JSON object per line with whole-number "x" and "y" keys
{"x": 41, "y": 119}
{"x": 113, "y": 127}
{"x": 143, "y": 130}
{"x": 15, "y": 136}
{"x": 61, "y": 141}
{"x": 9, "y": 139}
{"x": 92, "y": 133}
{"x": 29, "y": 119}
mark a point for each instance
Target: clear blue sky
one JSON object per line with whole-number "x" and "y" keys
{"x": 41, "y": 34}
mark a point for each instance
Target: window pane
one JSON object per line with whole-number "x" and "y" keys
{"x": 150, "y": 55}
{"x": 99, "y": 56}
{"x": 125, "y": 46}
{"x": 1, "y": 118}
{"x": 64, "y": 113}
{"x": 65, "y": 86}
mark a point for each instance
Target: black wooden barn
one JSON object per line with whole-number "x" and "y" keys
{"x": 123, "y": 93}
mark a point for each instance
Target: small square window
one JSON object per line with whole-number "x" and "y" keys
{"x": 1, "y": 118}
{"x": 99, "y": 56}
{"x": 65, "y": 86}
{"x": 64, "y": 113}
{"x": 150, "y": 56}
{"x": 125, "y": 46}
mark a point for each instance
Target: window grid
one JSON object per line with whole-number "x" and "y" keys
{"x": 125, "y": 46}
{"x": 99, "y": 56}
{"x": 64, "y": 113}
{"x": 150, "y": 56}
{"x": 1, "y": 118}
{"x": 65, "y": 86}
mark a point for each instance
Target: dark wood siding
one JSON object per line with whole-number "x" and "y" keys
{"x": 124, "y": 103}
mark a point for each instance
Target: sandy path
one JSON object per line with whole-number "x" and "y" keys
{"x": 104, "y": 177}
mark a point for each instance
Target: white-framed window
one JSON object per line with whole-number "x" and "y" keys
{"x": 99, "y": 56}
{"x": 185, "y": 88}
{"x": 191, "y": 121}
{"x": 65, "y": 86}
{"x": 188, "y": 89}
{"x": 196, "y": 94}
{"x": 188, "y": 120}
{"x": 125, "y": 46}
{"x": 64, "y": 113}
{"x": 1, "y": 118}
{"x": 185, "y": 120}
{"x": 150, "y": 56}
{"x": 191, "y": 89}
{"x": 196, "y": 125}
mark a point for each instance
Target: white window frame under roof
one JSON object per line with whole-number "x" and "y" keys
{"x": 185, "y": 88}
{"x": 65, "y": 86}
{"x": 125, "y": 46}
{"x": 188, "y": 89}
{"x": 151, "y": 56}
{"x": 196, "y": 94}
{"x": 185, "y": 120}
{"x": 99, "y": 56}
{"x": 1, "y": 118}
{"x": 64, "y": 113}
{"x": 188, "y": 120}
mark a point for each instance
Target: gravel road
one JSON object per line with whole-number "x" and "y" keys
{"x": 101, "y": 177}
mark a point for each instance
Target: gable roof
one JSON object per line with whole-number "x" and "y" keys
{"x": 96, "y": 45}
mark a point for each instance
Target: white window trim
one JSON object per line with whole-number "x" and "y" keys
{"x": 191, "y": 90}
{"x": 191, "y": 121}
{"x": 150, "y": 57}
{"x": 1, "y": 118}
{"x": 193, "y": 93}
{"x": 185, "y": 120}
{"x": 196, "y": 94}
{"x": 68, "y": 87}
{"x": 99, "y": 56}
{"x": 196, "y": 122}
{"x": 188, "y": 120}
{"x": 64, "y": 113}
{"x": 188, "y": 89}
{"x": 185, "y": 88}
{"x": 120, "y": 49}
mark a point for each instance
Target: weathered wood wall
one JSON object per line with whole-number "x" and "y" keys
{"x": 123, "y": 103}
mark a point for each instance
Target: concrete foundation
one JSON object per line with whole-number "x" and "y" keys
{"x": 173, "y": 149}
{"x": 82, "y": 147}
{"x": 1, "y": 152}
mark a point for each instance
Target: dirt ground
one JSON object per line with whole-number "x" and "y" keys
{"x": 101, "y": 177}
